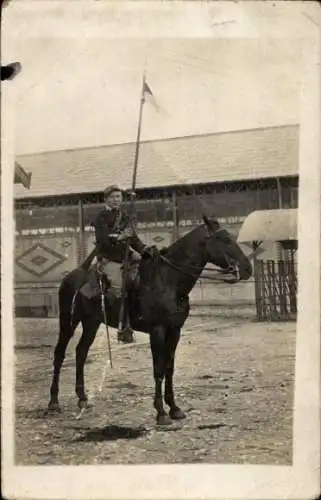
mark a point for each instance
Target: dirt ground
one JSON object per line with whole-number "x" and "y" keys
{"x": 234, "y": 379}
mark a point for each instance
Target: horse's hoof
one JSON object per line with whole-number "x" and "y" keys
{"x": 177, "y": 414}
{"x": 164, "y": 420}
{"x": 54, "y": 406}
{"x": 84, "y": 405}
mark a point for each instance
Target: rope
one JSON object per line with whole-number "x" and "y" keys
{"x": 110, "y": 360}
{"x": 103, "y": 306}
{"x": 100, "y": 388}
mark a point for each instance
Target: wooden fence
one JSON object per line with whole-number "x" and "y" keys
{"x": 275, "y": 290}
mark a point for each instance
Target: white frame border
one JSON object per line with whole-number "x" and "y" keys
{"x": 302, "y": 480}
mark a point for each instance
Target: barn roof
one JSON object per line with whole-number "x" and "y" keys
{"x": 269, "y": 225}
{"x": 220, "y": 157}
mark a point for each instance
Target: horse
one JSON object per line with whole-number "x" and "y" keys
{"x": 158, "y": 305}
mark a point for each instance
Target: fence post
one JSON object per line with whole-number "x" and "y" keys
{"x": 279, "y": 193}
{"x": 258, "y": 295}
{"x": 292, "y": 286}
{"x": 282, "y": 288}
{"x": 275, "y": 290}
{"x": 258, "y": 288}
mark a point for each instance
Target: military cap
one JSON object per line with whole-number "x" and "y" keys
{"x": 111, "y": 189}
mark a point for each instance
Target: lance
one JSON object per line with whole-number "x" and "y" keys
{"x": 132, "y": 195}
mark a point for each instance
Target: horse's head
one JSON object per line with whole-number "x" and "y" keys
{"x": 223, "y": 250}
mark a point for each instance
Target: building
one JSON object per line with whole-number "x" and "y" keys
{"x": 228, "y": 174}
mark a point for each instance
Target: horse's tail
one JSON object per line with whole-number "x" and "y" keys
{"x": 86, "y": 263}
{"x": 68, "y": 293}
{"x": 65, "y": 300}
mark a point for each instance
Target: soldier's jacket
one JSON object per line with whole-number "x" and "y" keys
{"x": 114, "y": 222}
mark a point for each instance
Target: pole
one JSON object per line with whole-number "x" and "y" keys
{"x": 139, "y": 128}
{"x": 279, "y": 192}
{"x": 175, "y": 216}
{"x": 131, "y": 205}
{"x": 81, "y": 252}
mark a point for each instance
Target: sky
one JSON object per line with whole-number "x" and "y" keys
{"x": 75, "y": 93}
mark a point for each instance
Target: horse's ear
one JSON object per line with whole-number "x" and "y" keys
{"x": 215, "y": 222}
{"x": 206, "y": 220}
{"x": 211, "y": 223}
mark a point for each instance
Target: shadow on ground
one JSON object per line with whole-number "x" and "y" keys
{"x": 113, "y": 433}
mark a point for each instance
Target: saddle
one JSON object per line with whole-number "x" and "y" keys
{"x": 111, "y": 284}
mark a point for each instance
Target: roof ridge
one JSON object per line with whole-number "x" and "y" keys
{"x": 164, "y": 139}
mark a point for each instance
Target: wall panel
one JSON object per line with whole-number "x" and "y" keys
{"x": 45, "y": 258}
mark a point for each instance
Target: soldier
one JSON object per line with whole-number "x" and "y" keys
{"x": 112, "y": 227}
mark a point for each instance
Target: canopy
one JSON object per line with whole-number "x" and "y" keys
{"x": 269, "y": 225}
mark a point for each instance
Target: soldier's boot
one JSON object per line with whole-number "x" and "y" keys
{"x": 126, "y": 335}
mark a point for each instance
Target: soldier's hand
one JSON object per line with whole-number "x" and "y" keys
{"x": 128, "y": 232}
{"x": 121, "y": 237}
{"x": 125, "y": 234}
{"x": 150, "y": 251}
{"x": 114, "y": 237}
{"x": 135, "y": 256}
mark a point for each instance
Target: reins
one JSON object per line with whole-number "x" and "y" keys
{"x": 196, "y": 268}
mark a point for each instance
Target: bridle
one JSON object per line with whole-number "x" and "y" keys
{"x": 188, "y": 269}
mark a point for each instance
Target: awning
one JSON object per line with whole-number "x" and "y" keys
{"x": 21, "y": 176}
{"x": 269, "y": 225}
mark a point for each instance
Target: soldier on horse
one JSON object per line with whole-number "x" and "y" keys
{"x": 112, "y": 228}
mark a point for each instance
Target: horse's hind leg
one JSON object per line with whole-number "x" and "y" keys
{"x": 158, "y": 348}
{"x": 65, "y": 334}
{"x": 172, "y": 339}
{"x": 90, "y": 327}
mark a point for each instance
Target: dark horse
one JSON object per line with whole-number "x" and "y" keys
{"x": 158, "y": 304}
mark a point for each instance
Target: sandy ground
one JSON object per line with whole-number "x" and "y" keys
{"x": 234, "y": 379}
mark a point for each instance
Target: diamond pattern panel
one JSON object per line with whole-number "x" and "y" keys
{"x": 160, "y": 238}
{"x": 44, "y": 258}
{"x": 39, "y": 260}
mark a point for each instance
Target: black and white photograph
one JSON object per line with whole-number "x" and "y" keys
{"x": 160, "y": 246}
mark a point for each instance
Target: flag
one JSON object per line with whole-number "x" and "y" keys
{"x": 148, "y": 96}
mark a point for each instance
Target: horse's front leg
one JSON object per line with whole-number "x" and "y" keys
{"x": 158, "y": 348}
{"x": 90, "y": 327}
{"x": 173, "y": 337}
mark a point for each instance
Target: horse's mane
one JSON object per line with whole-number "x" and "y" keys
{"x": 178, "y": 243}
{"x": 88, "y": 260}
